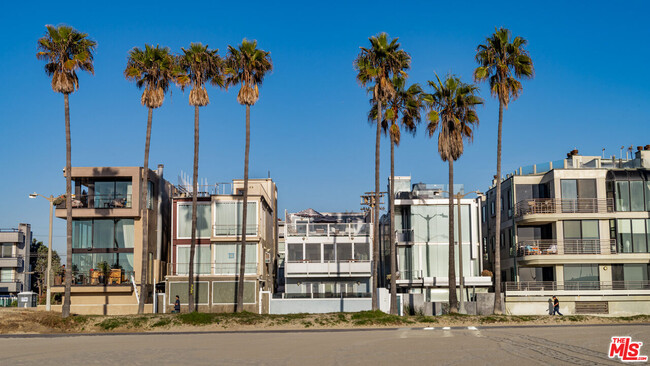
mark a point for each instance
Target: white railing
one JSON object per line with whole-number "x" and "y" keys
{"x": 210, "y": 268}
{"x": 566, "y": 246}
{"x": 576, "y": 286}
{"x": 563, "y": 205}
{"x": 233, "y": 230}
{"x": 327, "y": 229}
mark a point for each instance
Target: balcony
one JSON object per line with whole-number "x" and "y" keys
{"x": 11, "y": 286}
{"x": 11, "y": 236}
{"x": 212, "y": 268}
{"x": 566, "y": 246}
{"x": 546, "y": 206}
{"x": 327, "y": 230}
{"x": 550, "y": 288}
{"x": 404, "y": 237}
{"x": 100, "y": 201}
{"x": 233, "y": 230}
{"x": 306, "y": 268}
{"x": 11, "y": 262}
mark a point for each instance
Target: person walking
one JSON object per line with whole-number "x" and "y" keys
{"x": 177, "y": 305}
{"x": 556, "y": 306}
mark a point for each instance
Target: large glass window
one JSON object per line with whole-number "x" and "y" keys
{"x": 202, "y": 263}
{"x": 312, "y": 252}
{"x": 633, "y": 235}
{"x": 343, "y": 251}
{"x": 637, "y": 202}
{"x": 328, "y": 253}
{"x": 113, "y": 194}
{"x": 581, "y": 276}
{"x": 569, "y": 188}
{"x": 102, "y": 234}
{"x": 203, "y": 219}
{"x": 114, "y": 268}
{"x": 622, "y": 196}
{"x": 228, "y": 218}
{"x": 630, "y": 276}
{"x": 227, "y": 258}
{"x": 581, "y": 237}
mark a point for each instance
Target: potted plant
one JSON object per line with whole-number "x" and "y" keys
{"x": 104, "y": 269}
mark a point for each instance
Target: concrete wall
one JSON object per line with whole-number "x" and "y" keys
{"x": 538, "y": 305}
{"x": 293, "y": 306}
{"x": 485, "y": 303}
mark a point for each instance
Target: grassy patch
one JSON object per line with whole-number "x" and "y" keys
{"x": 112, "y": 323}
{"x": 494, "y": 319}
{"x": 377, "y": 317}
{"x": 425, "y": 319}
{"x": 307, "y": 323}
{"x": 634, "y": 318}
{"x": 196, "y": 318}
{"x": 162, "y": 322}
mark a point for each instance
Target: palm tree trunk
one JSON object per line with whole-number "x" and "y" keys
{"x": 497, "y": 231}
{"x": 393, "y": 256}
{"x": 453, "y": 301}
{"x": 242, "y": 261}
{"x": 375, "y": 228}
{"x": 145, "y": 217}
{"x": 195, "y": 177}
{"x": 65, "y": 311}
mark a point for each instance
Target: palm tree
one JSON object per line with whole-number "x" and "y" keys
{"x": 66, "y": 50}
{"x": 452, "y": 114}
{"x": 407, "y": 103}
{"x": 377, "y": 65}
{"x": 154, "y": 69}
{"x": 246, "y": 65}
{"x": 200, "y": 65}
{"x": 502, "y": 61}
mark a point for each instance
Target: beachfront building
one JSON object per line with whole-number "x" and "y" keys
{"x": 217, "y": 254}
{"x": 422, "y": 239}
{"x": 14, "y": 260}
{"x": 577, "y": 228}
{"x": 107, "y": 240}
{"x": 327, "y": 255}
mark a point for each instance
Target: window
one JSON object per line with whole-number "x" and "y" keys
{"x": 6, "y": 275}
{"x": 312, "y": 252}
{"x": 295, "y": 252}
{"x": 6, "y": 250}
{"x": 227, "y": 258}
{"x": 202, "y": 264}
{"x": 180, "y": 289}
{"x": 113, "y": 194}
{"x": 637, "y": 203}
{"x": 343, "y": 251}
{"x": 484, "y": 213}
{"x": 581, "y": 237}
{"x": 184, "y": 220}
{"x": 622, "y": 196}
{"x": 362, "y": 251}
{"x": 633, "y": 235}
{"x": 83, "y": 264}
{"x": 328, "y": 253}
{"x": 102, "y": 234}
{"x": 581, "y": 276}
{"x": 228, "y": 218}
{"x": 635, "y": 276}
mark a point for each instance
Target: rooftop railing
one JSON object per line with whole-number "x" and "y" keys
{"x": 566, "y": 246}
{"x": 327, "y": 229}
{"x": 563, "y": 205}
{"x": 206, "y": 190}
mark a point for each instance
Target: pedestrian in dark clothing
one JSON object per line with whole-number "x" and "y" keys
{"x": 177, "y": 305}
{"x": 556, "y": 306}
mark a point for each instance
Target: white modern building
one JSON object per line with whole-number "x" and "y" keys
{"x": 327, "y": 255}
{"x": 14, "y": 260}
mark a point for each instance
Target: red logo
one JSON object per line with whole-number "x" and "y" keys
{"x": 626, "y": 350}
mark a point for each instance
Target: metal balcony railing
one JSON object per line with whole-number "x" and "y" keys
{"x": 205, "y": 190}
{"x": 233, "y": 230}
{"x": 566, "y": 246}
{"x": 210, "y": 268}
{"x": 576, "y": 285}
{"x": 96, "y": 277}
{"x": 563, "y": 205}
{"x": 100, "y": 201}
{"x": 327, "y": 230}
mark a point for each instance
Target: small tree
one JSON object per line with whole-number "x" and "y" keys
{"x": 39, "y": 265}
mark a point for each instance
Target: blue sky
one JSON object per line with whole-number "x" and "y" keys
{"x": 309, "y": 129}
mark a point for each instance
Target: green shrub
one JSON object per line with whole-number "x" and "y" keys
{"x": 112, "y": 323}
{"x": 162, "y": 322}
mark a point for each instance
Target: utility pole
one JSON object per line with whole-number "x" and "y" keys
{"x": 369, "y": 204}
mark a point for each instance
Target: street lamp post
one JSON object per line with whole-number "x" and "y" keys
{"x": 48, "y": 304}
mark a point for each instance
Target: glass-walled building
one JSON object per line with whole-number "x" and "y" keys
{"x": 107, "y": 237}
{"x": 218, "y": 250}
{"x": 422, "y": 240}
{"x": 576, "y": 227}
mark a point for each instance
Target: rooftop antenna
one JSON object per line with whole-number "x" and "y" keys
{"x": 269, "y": 172}
{"x": 627, "y": 153}
{"x": 603, "y": 153}
{"x": 621, "y": 156}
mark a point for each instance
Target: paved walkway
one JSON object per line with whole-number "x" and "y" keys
{"x": 565, "y": 345}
